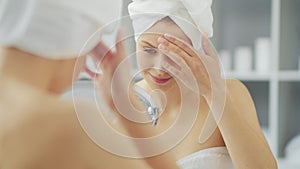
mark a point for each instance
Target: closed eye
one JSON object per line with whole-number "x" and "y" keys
{"x": 150, "y": 50}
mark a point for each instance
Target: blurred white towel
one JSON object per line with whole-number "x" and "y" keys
{"x": 55, "y": 29}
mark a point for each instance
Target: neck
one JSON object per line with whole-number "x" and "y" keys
{"x": 173, "y": 97}
{"x": 25, "y": 69}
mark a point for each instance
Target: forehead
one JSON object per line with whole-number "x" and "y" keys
{"x": 164, "y": 27}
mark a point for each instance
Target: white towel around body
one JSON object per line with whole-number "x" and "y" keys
{"x": 211, "y": 158}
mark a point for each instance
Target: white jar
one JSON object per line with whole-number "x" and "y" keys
{"x": 243, "y": 59}
{"x": 262, "y": 55}
{"x": 225, "y": 59}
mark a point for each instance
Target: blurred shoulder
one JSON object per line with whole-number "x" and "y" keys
{"x": 236, "y": 86}
{"x": 240, "y": 98}
{"x": 234, "y": 83}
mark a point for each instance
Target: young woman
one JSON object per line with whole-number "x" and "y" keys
{"x": 165, "y": 46}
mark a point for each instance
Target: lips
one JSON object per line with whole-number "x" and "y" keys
{"x": 160, "y": 80}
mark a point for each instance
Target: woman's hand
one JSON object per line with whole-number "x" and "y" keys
{"x": 204, "y": 66}
{"x": 108, "y": 61}
{"x": 115, "y": 84}
{"x": 199, "y": 72}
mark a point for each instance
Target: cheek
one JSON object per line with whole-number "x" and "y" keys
{"x": 145, "y": 62}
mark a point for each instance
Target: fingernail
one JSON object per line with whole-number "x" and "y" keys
{"x": 161, "y": 46}
{"x": 160, "y": 40}
{"x": 168, "y": 36}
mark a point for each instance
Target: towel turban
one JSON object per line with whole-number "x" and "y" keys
{"x": 192, "y": 16}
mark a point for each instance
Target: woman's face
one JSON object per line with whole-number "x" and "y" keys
{"x": 150, "y": 59}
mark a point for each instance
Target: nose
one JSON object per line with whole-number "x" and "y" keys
{"x": 158, "y": 64}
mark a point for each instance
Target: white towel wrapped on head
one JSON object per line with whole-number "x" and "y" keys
{"x": 192, "y": 16}
{"x": 55, "y": 29}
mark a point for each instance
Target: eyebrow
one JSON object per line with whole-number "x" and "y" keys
{"x": 145, "y": 42}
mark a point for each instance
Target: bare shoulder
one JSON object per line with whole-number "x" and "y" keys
{"x": 240, "y": 99}
{"x": 235, "y": 84}
{"x": 239, "y": 92}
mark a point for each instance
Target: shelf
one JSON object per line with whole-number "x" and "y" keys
{"x": 232, "y": 20}
{"x": 251, "y": 76}
{"x": 282, "y": 76}
{"x": 289, "y": 76}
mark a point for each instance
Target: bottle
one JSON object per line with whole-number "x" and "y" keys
{"x": 243, "y": 59}
{"x": 262, "y": 55}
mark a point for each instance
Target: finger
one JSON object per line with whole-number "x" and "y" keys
{"x": 91, "y": 73}
{"x": 170, "y": 48}
{"x": 199, "y": 59}
{"x": 102, "y": 55}
{"x": 121, "y": 51}
{"x": 181, "y": 44}
{"x": 207, "y": 47}
{"x": 185, "y": 78}
{"x": 100, "y": 51}
{"x": 173, "y": 70}
{"x": 121, "y": 55}
{"x": 180, "y": 57}
{"x": 173, "y": 56}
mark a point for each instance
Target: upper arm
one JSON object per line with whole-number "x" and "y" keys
{"x": 243, "y": 101}
{"x": 241, "y": 130}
